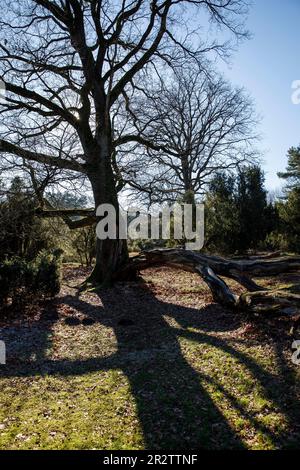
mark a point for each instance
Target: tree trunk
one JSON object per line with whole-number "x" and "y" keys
{"x": 111, "y": 255}
{"x": 258, "y": 300}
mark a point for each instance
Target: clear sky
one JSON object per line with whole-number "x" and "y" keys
{"x": 266, "y": 66}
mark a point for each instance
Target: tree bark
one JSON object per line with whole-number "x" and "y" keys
{"x": 256, "y": 299}
{"x": 111, "y": 255}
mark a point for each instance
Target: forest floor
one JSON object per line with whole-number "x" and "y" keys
{"x": 152, "y": 364}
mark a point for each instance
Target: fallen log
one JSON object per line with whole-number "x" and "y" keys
{"x": 256, "y": 299}
{"x": 274, "y": 254}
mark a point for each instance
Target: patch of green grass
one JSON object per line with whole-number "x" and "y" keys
{"x": 95, "y": 411}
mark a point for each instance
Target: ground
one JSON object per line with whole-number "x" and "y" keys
{"x": 153, "y": 364}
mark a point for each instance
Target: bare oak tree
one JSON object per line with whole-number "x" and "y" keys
{"x": 201, "y": 124}
{"x": 68, "y": 64}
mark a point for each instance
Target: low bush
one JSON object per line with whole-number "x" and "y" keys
{"x": 25, "y": 281}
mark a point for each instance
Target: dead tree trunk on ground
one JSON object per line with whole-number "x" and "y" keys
{"x": 256, "y": 299}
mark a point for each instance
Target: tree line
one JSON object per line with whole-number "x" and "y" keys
{"x": 239, "y": 217}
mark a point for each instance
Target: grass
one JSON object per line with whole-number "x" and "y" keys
{"x": 153, "y": 365}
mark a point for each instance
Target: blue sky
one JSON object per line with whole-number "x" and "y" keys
{"x": 266, "y": 66}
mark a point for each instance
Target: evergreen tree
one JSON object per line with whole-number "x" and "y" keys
{"x": 292, "y": 173}
{"x": 251, "y": 200}
{"x": 21, "y": 231}
{"x": 289, "y": 209}
{"x": 238, "y": 216}
{"x": 221, "y": 223}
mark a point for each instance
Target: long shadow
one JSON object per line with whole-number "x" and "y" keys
{"x": 28, "y": 341}
{"x": 175, "y": 411}
{"x": 174, "y": 408}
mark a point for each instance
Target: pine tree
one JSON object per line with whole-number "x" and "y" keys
{"x": 289, "y": 209}
{"x": 292, "y": 173}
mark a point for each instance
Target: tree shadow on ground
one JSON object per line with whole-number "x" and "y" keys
{"x": 175, "y": 409}
{"x": 27, "y": 341}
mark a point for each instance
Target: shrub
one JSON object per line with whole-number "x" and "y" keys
{"x": 14, "y": 275}
{"x": 47, "y": 277}
{"x": 24, "y": 282}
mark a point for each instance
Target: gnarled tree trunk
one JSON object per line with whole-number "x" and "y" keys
{"x": 256, "y": 299}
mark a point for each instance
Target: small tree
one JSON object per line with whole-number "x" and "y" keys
{"x": 83, "y": 242}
